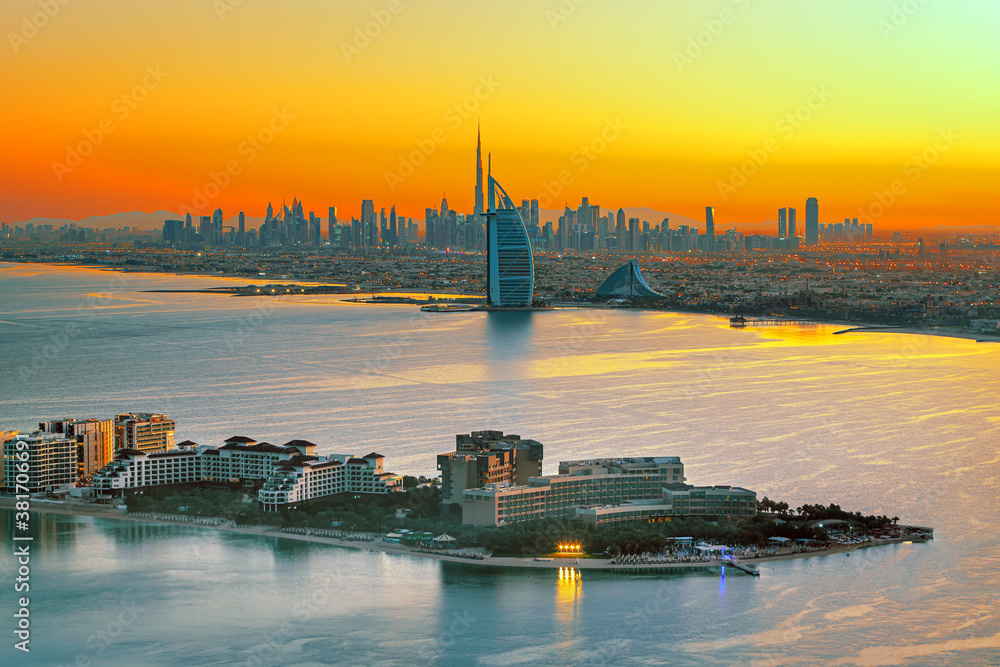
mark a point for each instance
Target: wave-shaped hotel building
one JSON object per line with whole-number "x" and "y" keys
{"x": 627, "y": 281}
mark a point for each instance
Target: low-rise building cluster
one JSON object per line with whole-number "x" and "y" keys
{"x": 495, "y": 478}
{"x": 596, "y": 491}
{"x": 282, "y": 475}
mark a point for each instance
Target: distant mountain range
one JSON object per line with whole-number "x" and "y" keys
{"x": 154, "y": 220}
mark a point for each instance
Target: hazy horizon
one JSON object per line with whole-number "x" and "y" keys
{"x": 154, "y": 220}
{"x": 747, "y": 107}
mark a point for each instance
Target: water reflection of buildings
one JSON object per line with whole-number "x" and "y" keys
{"x": 568, "y": 594}
{"x": 53, "y": 530}
{"x": 509, "y": 339}
{"x": 509, "y": 335}
{"x": 49, "y": 532}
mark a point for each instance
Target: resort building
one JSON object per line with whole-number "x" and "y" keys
{"x": 304, "y": 478}
{"x": 240, "y": 460}
{"x": 248, "y": 462}
{"x": 510, "y": 274}
{"x": 579, "y": 483}
{"x": 95, "y": 439}
{"x": 144, "y": 431}
{"x": 487, "y": 457}
{"x": 599, "y": 491}
{"x": 39, "y": 462}
{"x": 677, "y": 500}
{"x": 5, "y": 437}
{"x": 285, "y": 474}
{"x": 132, "y": 469}
{"x": 710, "y": 500}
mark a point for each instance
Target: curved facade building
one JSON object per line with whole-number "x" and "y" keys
{"x": 626, "y": 281}
{"x": 510, "y": 272}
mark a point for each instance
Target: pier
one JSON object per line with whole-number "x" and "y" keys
{"x": 740, "y": 322}
{"x": 749, "y": 569}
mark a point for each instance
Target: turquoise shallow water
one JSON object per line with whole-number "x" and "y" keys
{"x": 901, "y": 425}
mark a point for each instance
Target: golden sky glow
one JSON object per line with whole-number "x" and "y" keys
{"x": 874, "y": 83}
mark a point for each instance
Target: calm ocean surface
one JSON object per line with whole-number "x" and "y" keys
{"x": 901, "y": 425}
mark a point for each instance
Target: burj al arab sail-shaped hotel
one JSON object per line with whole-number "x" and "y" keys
{"x": 510, "y": 272}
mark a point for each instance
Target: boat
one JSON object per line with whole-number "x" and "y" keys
{"x": 447, "y": 308}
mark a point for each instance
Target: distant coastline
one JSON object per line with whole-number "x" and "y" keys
{"x": 852, "y": 327}
{"x": 589, "y": 563}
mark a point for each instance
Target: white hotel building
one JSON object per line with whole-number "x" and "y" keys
{"x": 244, "y": 461}
{"x": 299, "y": 479}
{"x": 605, "y": 490}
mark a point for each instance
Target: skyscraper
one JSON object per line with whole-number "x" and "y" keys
{"x": 393, "y": 229}
{"x": 173, "y": 231}
{"x": 216, "y": 238}
{"x": 510, "y": 275}
{"x": 710, "y": 221}
{"x": 430, "y": 227}
{"x": 331, "y": 223}
{"x": 782, "y": 223}
{"x": 812, "y": 221}
{"x": 315, "y": 229}
{"x": 441, "y": 235}
{"x": 791, "y": 223}
{"x": 620, "y": 229}
{"x": 479, "y": 173}
{"x": 369, "y": 226}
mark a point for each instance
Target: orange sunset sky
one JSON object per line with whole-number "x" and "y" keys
{"x": 745, "y": 105}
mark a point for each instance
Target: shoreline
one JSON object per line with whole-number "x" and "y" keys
{"x": 596, "y": 564}
{"x": 944, "y": 333}
{"x": 851, "y": 327}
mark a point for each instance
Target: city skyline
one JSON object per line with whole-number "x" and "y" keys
{"x": 584, "y": 228}
{"x": 735, "y": 263}
{"x": 714, "y": 119}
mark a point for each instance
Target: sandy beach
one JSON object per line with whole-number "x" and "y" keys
{"x": 978, "y": 337}
{"x": 107, "y": 512}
